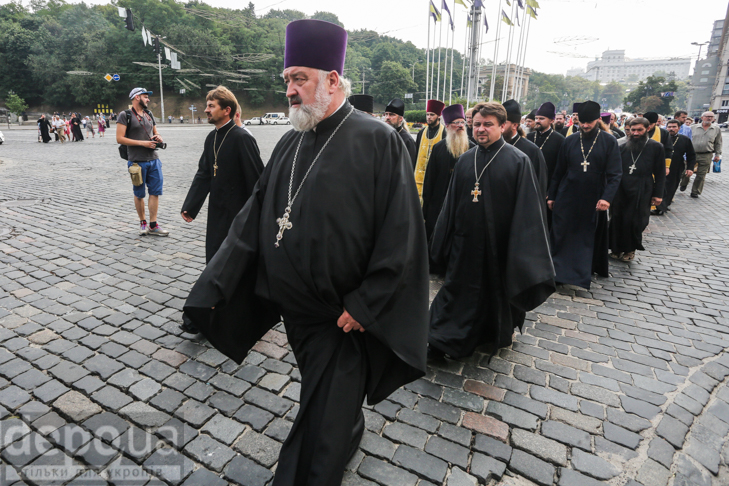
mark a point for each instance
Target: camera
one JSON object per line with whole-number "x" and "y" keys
{"x": 161, "y": 145}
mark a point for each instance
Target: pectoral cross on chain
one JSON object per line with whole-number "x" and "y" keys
{"x": 632, "y": 168}
{"x": 584, "y": 165}
{"x": 475, "y": 193}
{"x": 283, "y": 225}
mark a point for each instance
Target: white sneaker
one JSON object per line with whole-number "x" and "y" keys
{"x": 143, "y": 228}
{"x": 157, "y": 231}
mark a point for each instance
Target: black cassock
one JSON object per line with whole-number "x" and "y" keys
{"x": 536, "y": 157}
{"x": 409, "y": 142}
{"x": 630, "y": 210}
{"x": 44, "y": 126}
{"x": 435, "y": 185}
{"x": 76, "y": 129}
{"x": 549, "y": 142}
{"x": 665, "y": 136}
{"x": 239, "y": 167}
{"x": 682, "y": 146}
{"x": 357, "y": 241}
{"x": 579, "y": 232}
{"x": 496, "y": 251}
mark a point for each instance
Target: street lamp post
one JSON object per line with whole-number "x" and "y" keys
{"x": 700, "y": 44}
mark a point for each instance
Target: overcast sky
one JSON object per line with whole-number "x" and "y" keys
{"x": 568, "y": 33}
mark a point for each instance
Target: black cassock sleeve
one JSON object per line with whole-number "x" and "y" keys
{"x": 659, "y": 174}
{"x": 442, "y": 237}
{"x": 667, "y": 147}
{"x": 199, "y": 189}
{"x": 228, "y": 284}
{"x": 613, "y": 169}
{"x": 690, "y": 154}
{"x": 432, "y": 175}
{"x": 249, "y": 158}
{"x": 559, "y": 171}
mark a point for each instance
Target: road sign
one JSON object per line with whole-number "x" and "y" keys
{"x": 116, "y": 77}
{"x": 192, "y": 108}
{"x": 108, "y": 77}
{"x": 408, "y": 95}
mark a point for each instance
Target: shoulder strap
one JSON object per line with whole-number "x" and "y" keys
{"x": 129, "y": 121}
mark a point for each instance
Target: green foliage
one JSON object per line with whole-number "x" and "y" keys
{"x": 15, "y": 103}
{"x": 327, "y": 17}
{"x": 393, "y": 82}
{"x": 415, "y": 116}
{"x": 647, "y": 95}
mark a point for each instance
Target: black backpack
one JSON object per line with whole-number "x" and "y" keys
{"x": 123, "y": 152}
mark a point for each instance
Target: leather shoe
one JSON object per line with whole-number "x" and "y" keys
{"x": 695, "y": 196}
{"x": 656, "y": 212}
{"x": 682, "y": 188}
{"x": 188, "y": 327}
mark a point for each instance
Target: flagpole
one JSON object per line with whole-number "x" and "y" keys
{"x": 463, "y": 58}
{"x": 507, "y": 66}
{"x": 523, "y": 59}
{"x": 496, "y": 53}
{"x": 518, "y": 57}
{"x": 478, "y": 60}
{"x": 470, "y": 63}
{"x": 432, "y": 61}
{"x": 427, "y": 57}
{"x": 440, "y": 43}
{"x": 453, "y": 41}
{"x": 445, "y": 66}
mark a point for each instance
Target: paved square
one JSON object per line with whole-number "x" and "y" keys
{"x": 624, "y": 384}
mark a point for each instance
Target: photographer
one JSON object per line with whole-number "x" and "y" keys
{"x": 137, "y": 130}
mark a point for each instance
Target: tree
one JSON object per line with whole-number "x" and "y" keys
{"x": 15, "y": 104}
{"x": 652, "y": 87}
{"x": 327, "y": 17}
{"x": 393, "y": 81}
{"x": 614, "y": 93}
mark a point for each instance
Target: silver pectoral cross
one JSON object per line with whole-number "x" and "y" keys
{"x": 584, "y": 165}
{"x": 632, "y": 168}
{"x": 283, "y": 225}
{"x": 475, "y": 193}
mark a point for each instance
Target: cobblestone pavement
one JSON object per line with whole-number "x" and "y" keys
{"x": 624, "y": 384}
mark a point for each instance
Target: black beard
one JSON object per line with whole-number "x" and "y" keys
{"x": 434, "y": 124}
{"x": 592, "y": 132}
{"x": 633, "y": 142}
{"x": 558, "y": 126}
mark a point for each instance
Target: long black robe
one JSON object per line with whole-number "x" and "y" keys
{"x": 630, "y": 210}
{"x": 432, "y": 132}
{"x": 76, "y": 129}
{"x": 409, "y": 142}
{"x": 435, "y": 185}
{"x": 667, "y": 145}
{"x": 537, "y": 159}
{"x": 44, "y": 126}
{"x": 239, "y": 167}
{"x": 682, "y": 147}
{"x": 357, "y": 242}
{"x": 579, "y": 232}
{"x": 496, "y": 251}
{"x": 549, "y": 142}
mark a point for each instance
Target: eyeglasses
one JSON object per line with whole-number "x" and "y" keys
{"x": 457, "y": 123}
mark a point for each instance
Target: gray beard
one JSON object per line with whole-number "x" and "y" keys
{"x": 457, "y": 143}
{"x": 306, "y": 117}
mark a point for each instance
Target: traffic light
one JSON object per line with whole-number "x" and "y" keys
{"x": 130, "y": 20}
{"x": 157, "y": 49}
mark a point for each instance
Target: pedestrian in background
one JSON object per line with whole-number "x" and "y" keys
{"x": 706, "y": 138}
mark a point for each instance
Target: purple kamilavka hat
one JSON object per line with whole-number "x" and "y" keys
{"x": 452, "y": 113}
{"x": 315, "y": 44}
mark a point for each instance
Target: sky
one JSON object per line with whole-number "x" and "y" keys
{"x": 567, "y": 34}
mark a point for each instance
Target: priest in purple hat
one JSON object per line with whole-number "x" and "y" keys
{"x": 332, "y": 240}
{"x": 442, "y": 160}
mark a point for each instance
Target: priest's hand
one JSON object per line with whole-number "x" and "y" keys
{"x": 689, "y": 173}
{"x": 656, "y": 201}
{"x": 602, "y": 205}
{"x": 186, "y": 217}
{"x": 667, "y": 170}
{"x": 347, "y": 323}
{"x": 550, "y": 204}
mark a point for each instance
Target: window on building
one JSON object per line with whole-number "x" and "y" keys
{"x": 704, "y": 72}
{"x": 704, "y": 80}
{"x": 725, "y": 103}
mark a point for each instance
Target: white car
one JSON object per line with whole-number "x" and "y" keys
{"x": 253, "y": 121}
{"x": 2, "y": 138}
{"x": 281, "y": 121}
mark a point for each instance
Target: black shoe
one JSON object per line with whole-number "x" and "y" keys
{"x": 188, "y": 327}
{"x": 695, "y": 196}
{"x": 656, "y": 212}
{"x": 668, "y": 208}
{"x": 682, "y": 188}
{"x": 435, "y": 354}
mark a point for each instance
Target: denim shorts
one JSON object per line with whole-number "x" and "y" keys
{"x": 152, "y": 177}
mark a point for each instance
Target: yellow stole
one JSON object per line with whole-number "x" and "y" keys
{"x": 657, "y": 137}
{"x": 426, "y": 146}
{"x": 570, "y": 131}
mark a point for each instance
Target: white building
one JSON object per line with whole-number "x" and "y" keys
{"x": 614, "y": 66}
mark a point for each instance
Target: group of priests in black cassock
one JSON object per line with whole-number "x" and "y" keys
{"x": 332, "y": 240}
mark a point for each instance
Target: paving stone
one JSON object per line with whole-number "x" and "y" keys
{"x": 111, "y": 398}
{"x": 593, "y": 466}
{"x": 136, "y": 443}
{"x": 653, "y": 474}
{"x": 388, "y": 409}
{"x": 168, "y": 400}
{"x": 556, "y": 398}
{"x": 486, "y": 468}
{"x": 419, "y": 420}
{"x": 463, "y": 400}
{"x": 512, "y": 416}
{"x": 688, "y": 474}
{"x": 48, "y": 423}
{"x": 70, "y": 437}
{"x": 532, "y": 468}
{"x": 439, "y": 410}
{"x": 242, "y": 470}
{"x": 76, "y": 406}
{"x": 569, "y": 477}
{"x": 421, "y": 463}
{"x": 170, "y": 465}
{"x": 719, "y": 409}
{"x": 639, "y": 408}
{"x": 460, "y": 478}
{"x": 566, "y": 434}
{"x": 596, "y": 394}
{"x": 106, "y": 425}
{"x": 177, "y": 432}
{"x": 459, "y": 435}
{"x": 628, "y": 421}
{"x": 13, "y": 397}
{"x": 539, "y": 446}
{"x": 203, "y": 477}
{"x": 268, "y": 401}
{"x": 484, "y": 390}
{"x": 680, "y": 413}
{"x": 68, "y": 372}
{"x": 143, "y": 415}
{"x": 145, "y": 389}
{"x": 50, "y": 390}
{"x": 492, "y": 447}
{"x": 103, "y": 365}
{"x": 448, "y": 451}
{"x": 406, "y": 434}
{"x": 224, "y": 403}
{"x": 386, "y": 474}
{"x": 194, "y": 413}
{"x": 707, "y": 455}
{"x": 621, "y": 436}
{"x": 486, "y": 425}
{"x": 210, "y": 452}
{"x": 527, "y": 404}
{"x": 672, "y": 430}
{"x": 254, "y": 416}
